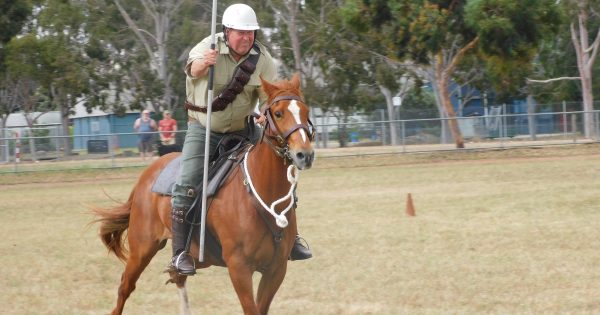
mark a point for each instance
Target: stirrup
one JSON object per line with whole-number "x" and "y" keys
{"x": 303, "y": 251}
{"x": 179, "y": 258}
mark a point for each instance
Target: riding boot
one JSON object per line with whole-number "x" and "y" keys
{"x": 182, "y": 261}
{"x": 299, "y": 251}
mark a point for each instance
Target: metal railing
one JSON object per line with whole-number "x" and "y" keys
{"x": 497, "y": 130}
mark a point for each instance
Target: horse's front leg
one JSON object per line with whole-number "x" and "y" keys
{"x": 180, "y": 280}
{"x": 269, "y": 284}
{"x": 241, "y": 277}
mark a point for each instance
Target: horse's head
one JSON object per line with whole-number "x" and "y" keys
{"x": 288, "y": 125}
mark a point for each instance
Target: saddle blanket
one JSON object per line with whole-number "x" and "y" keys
{"x": 167, "y": 177}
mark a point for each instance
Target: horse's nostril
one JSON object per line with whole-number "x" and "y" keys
{"x": 300, "y": 155}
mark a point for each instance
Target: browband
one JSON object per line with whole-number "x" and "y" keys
{"x": 285, "y": 98}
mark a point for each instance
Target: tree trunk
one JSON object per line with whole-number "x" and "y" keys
{"x": 32, "y": 150}
{"x": 531, "y": 121}
{"x": 443, "y": 69}
{"x": 292, "y": 7}
{"x": 438, "y": 103}
{"x": 442, "y": 81}
{"x": 3, "y": 143}
{"x": 390, "y": 109}
{"x": 343, "y": 131}
{"x": 586, "y": 55}
{"x": 588, "y": 104}
{"x": 161, "y": 14}
{"x": 64, "y": 115}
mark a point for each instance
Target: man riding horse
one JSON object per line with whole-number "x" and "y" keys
{"x": 239, "y": 62}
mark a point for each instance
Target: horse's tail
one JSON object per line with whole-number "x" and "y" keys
{"x": 113, "y": 224}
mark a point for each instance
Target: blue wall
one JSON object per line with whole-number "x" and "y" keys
{"x": 95, "y": 128}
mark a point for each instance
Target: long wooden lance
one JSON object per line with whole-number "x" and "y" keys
{"x": 211, "y": 74}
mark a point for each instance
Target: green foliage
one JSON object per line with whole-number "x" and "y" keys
{"x": 13, "y": 15}
{"x": 557, "y": 58}
{"x": 85, "y": 48}
{"x": 512, "y": 29}
{"x": 509, "y": 32}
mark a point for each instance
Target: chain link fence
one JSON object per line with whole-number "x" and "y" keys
{"x": 43, "y": 147}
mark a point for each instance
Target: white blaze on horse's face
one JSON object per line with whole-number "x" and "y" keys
{"x": 295, "y": 110}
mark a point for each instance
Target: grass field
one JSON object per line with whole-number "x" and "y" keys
{"x": 496, "y": 232}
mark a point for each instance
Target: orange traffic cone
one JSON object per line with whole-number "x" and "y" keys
{"x": 410, "y": 208}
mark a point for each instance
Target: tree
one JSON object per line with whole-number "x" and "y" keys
{"x": 309, "y": 38}
{"x": 13, "y": 15}
{"x": 393, "y": 80}
{"x": 585, "y": 47}
{"x": 442, "y": 34}
{"x": 164, "y": 32}
{"x": 586, "y": 56}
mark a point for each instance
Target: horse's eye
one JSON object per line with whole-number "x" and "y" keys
{"x": 278, "y": 114}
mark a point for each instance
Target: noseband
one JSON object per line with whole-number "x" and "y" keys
{"x": 282, "y": 137}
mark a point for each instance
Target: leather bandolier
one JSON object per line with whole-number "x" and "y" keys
{"x": 241, "y": 77}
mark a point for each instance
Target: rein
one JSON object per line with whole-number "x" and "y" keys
{"x": 292, "y": 176}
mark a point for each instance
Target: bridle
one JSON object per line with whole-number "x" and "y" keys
{"x": 273, "y": 133}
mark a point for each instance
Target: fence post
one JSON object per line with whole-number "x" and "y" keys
{"x": 17, "y": 151}
{"x": 383, "y": 133}
{"x": 574, "y": 127}
{"x": 502, "y": 130}
{"x": 403, "y": 136}
{"x": 596, "y": 124}
{"x": 5, "y": 144}
{"x": 57, "y": 142}
{"x": 111, "y": 149}
{"x": 565, "y": 122}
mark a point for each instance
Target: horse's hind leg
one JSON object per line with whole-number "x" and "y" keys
{"x": 268, "y": 286}
{"x": 140, "y": 256}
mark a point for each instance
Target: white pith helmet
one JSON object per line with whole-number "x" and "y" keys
{"x": 241, "y": 17}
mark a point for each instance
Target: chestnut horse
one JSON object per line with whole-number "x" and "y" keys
{"x": 247, "y": 216}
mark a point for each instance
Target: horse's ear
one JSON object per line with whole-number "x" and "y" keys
{"x": 295, "y": 81}
{"x": 267, "y": 86}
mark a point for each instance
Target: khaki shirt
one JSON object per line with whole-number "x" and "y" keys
{"x": 232, "y": 117}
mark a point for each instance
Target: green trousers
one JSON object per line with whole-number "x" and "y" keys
{"x": 192, "y": 164}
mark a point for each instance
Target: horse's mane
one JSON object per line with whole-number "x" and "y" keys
{"x": 283, "y": 87}
{"x": 287, "y": 87}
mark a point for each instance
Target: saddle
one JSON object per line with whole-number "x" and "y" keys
{"x": 227, "y": 155}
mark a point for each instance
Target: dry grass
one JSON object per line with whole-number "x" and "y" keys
{"x": 496, "y": 232}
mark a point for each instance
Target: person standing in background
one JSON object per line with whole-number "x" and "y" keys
{"x": 167, "y": 127}
{"x": 144, "y": 126}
